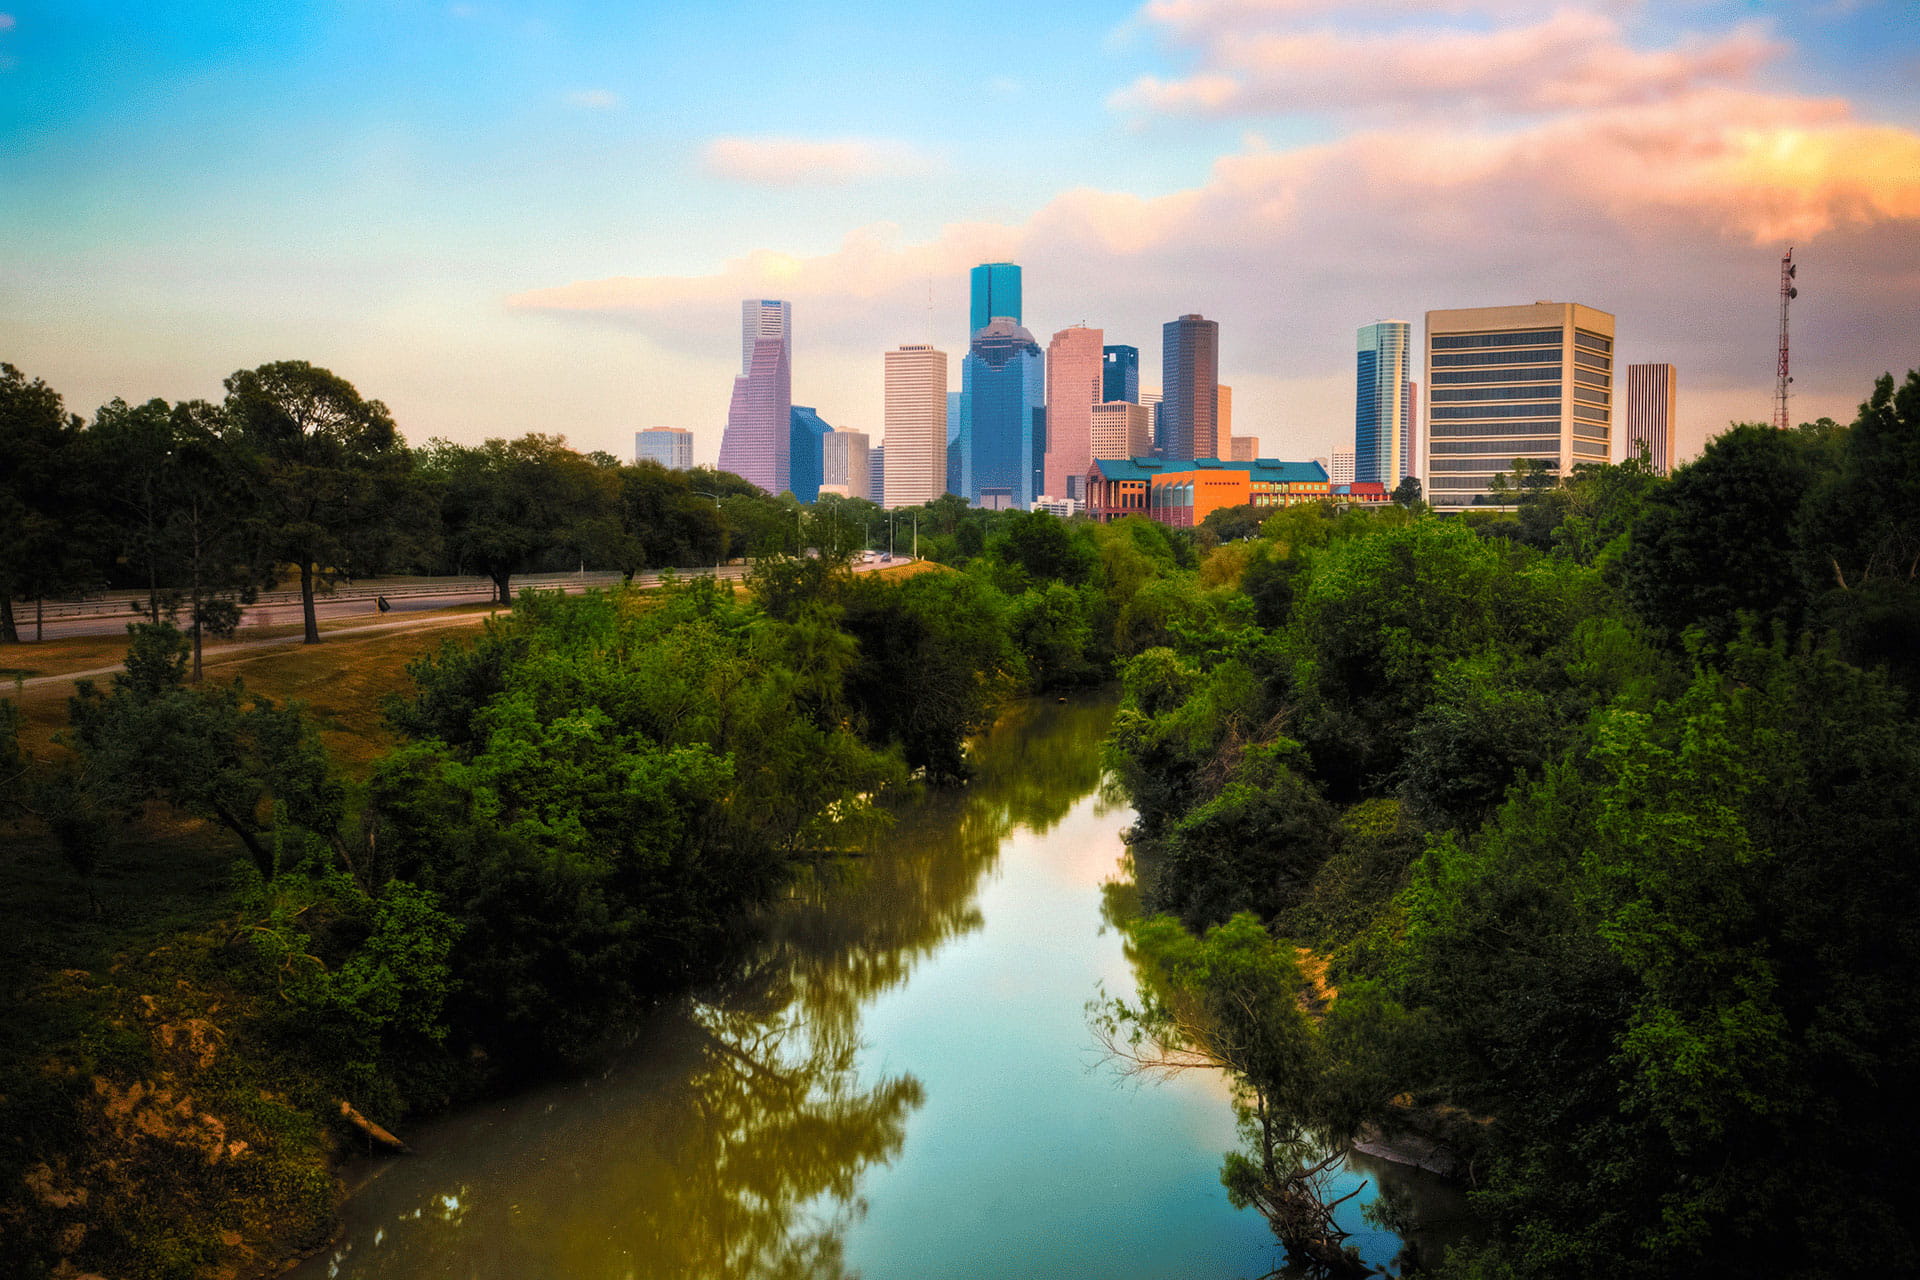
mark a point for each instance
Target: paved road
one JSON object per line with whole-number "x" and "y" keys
{"x": 109, "y": 616}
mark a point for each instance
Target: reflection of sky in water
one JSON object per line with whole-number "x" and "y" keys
{"x": 901, "y": 1083}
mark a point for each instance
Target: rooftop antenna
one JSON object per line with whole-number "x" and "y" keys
{"x": 1787, "y": 294}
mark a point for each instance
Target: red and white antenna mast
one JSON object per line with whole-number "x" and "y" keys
{"x": 1787, "y": 294}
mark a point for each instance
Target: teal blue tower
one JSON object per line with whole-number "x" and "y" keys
{"x": 996, "y": 292}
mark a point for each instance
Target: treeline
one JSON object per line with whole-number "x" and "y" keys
{"x": 1579, "y": 839}
{"x": 295, "y": 477}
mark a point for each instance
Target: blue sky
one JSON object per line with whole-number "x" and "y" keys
{"x": 506, "y": 216}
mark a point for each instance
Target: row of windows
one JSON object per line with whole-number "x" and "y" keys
{"x": 1590, "y": 448}
{"x": 1524, "y": 338}
{"x": 1592, "y": 377}
{"x": 1591, "y": 412}
{"x": 1505, "y": 375}
{"x": 1592, "y": 395}
{"x": 1457, "y": 430}
{"x": 1592, "y": 341}
{"x": 1527, "y": 444}
{"x": 1493, "y": 410}
{"x": 1483, "y": 359}
{"x": 1459, "y": 484}
{"x": 1487, "y": 465}
{"x": 1591, "y": 361}
{"x": 1548, "y": 391}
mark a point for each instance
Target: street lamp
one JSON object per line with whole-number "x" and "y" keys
{"x": 721, "y": 520}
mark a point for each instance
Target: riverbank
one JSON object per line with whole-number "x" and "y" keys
{"x": 172, "y": 1081}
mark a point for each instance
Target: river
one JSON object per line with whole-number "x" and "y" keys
{"x": 898, "y": 1082}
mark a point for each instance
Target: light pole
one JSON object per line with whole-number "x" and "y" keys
{"x": 721, "y": 521}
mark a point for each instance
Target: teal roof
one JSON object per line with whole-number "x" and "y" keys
{"x": 1268, "y": 469}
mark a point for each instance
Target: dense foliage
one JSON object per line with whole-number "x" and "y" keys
{"x": 1601, "y": 809}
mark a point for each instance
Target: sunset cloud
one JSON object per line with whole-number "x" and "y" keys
{"x": 594, "y": 99}
{"x": 792, "y": 162}
{"x": 1573, "y": 60}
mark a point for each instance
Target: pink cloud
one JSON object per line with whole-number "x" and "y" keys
{"x": 1573, "y": 60}
{"x": 6, "y": 22}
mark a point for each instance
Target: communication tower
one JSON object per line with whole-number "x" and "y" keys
{"x": 1787, "y": 294}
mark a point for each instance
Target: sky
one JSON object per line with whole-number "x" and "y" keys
{"x": 502, "y": 216}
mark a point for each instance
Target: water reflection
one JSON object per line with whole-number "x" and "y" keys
{"x": 732, "y": 1139}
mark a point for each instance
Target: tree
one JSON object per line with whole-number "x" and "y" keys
{"x": 1236, "y": 1000}
{"x": 506, "y": 502}
{"x": 1717, "y": 540}
{"x": 217, "y": 754}
{"x": 1407, "y": 492}
{"x": 183, "y": 505}
{"x": 44, "y": 512}
{"x": 336, "y": 477}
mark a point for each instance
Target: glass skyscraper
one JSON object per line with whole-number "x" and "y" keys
{"x": 807, "y": 465}
{"x": 1003, "y": 441}
{"x": 996, "y": 292}
{"x": 1381, "y": 418}
{"x": 1120, "y": 375}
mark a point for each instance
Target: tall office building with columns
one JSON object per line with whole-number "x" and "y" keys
{"x": 1075, "y": 372}
{"x": 915, "y": 426}
{"x": 757, "y": 444}
{"x": 1531, "y": 382}
{"x": 1651, "y": 402}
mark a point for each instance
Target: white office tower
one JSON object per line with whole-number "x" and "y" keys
{"x": 844, "y": 461}
{"x": 1341, "y": 470}
{"x": 671, "y": 447}
{"x": 915, "y": 428}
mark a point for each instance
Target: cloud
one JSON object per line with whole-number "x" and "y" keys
{"x": 1573, "y": 60}
{"x": 6, "y": 22}
{"x": 594, "y": 99}
{"x": 1670, "y": 214}
{"x": 793, "y": 162}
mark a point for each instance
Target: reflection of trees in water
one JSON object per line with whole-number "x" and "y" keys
{"x": 733, "y": 1149}
{"x": 856, "y": 928}
{"x": 732, "y": 1139}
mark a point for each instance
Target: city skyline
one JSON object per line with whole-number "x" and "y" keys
{"x": 617, "y": 195}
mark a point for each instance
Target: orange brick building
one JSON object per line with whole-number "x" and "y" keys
{"x": 1182, "y": 494}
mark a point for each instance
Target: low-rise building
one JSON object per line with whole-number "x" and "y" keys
{"x": 1182, "y": 494}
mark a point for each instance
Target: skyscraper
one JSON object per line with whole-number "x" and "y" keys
{"x": 1003, "y": 441}
{"x": 807, "y": 452}
{"x": 1651, "y": 403}
{"x": 1380, "y": 413}
{"x": 1121, "y": 429}
{"x": 1514, "y": 382}
{"x": 1341, "y": 472}
{"x": 671, "y": 447}
{"x": 1223, "y": 414}
{"x": 1190, "y": 381}
{"x": 1120, "y": 377}
{"x": 844, "y": 463}
{"x": 915, "y": 436}
{"x": 757, "y": 445}
{"x": 1075, "y": 372}
{"x": 996, "y": 292}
